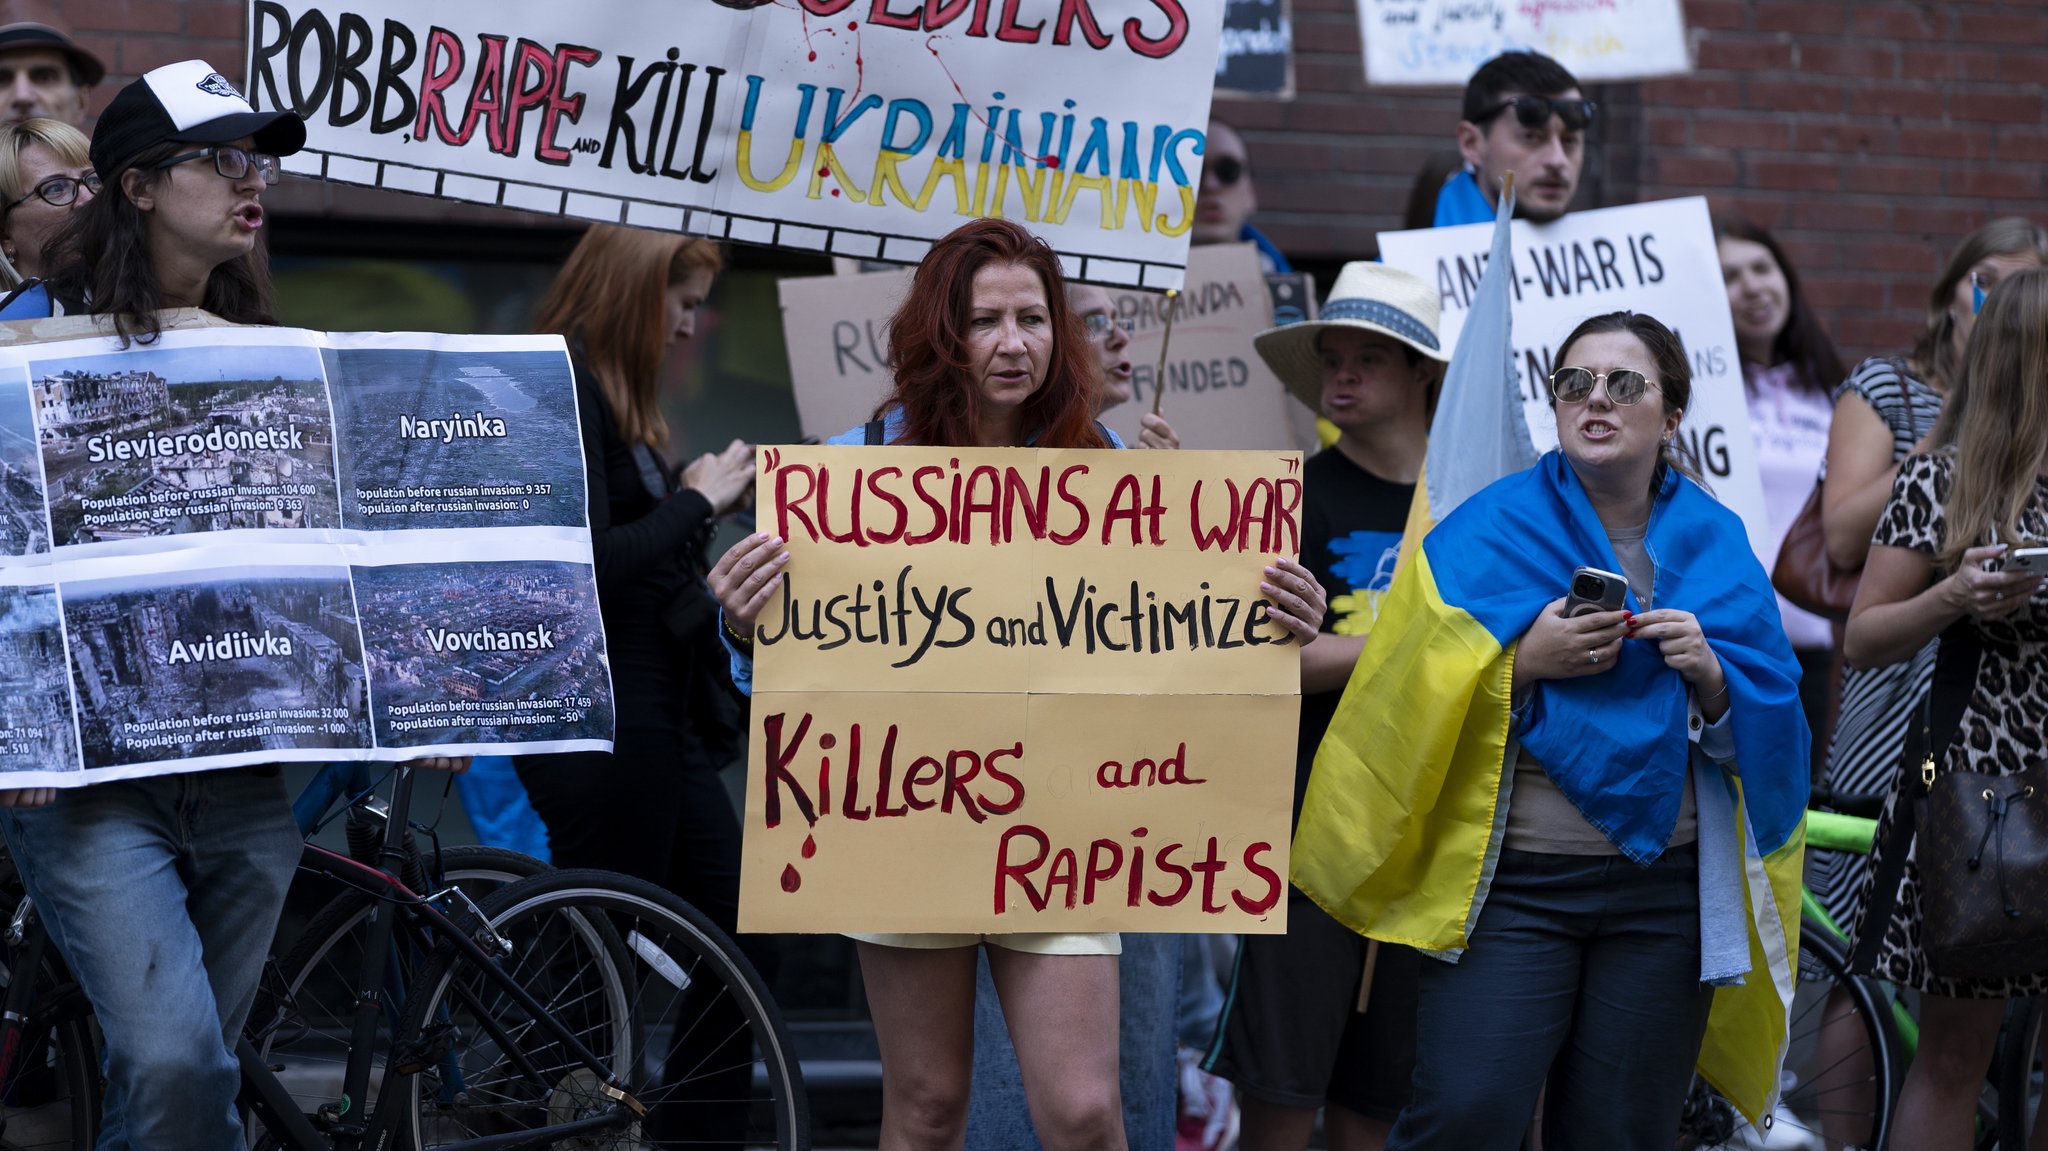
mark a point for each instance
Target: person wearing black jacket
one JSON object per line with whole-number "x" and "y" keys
{"x": 652, "y": 807}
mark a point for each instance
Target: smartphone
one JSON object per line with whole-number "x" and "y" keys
{"x": 1594, "y": 590}
{"x": 2033, "y": 561}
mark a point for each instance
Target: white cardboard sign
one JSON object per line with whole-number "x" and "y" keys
{"x": 1428, "y": 43}
{"x": 1658, "y": 258}
{"x": 863, "y": 128}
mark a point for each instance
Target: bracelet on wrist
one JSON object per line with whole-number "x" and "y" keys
{"x": 745, "y": 642}
{"x": 1717, "y": 695}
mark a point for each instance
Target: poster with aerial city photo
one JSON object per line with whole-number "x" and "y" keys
{"x": 198, "y": 571}
{"x": 244, "y": 659}
{"x": 444, "y": 437}
{"x": 36, "y": 732}
{"x": 170, "y": 440}
{"x": 489, "y": 652}
{"x": 24, "y": 516}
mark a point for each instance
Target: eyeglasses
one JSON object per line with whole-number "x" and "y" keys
{"x": 1536, "y": 111}
{"x": 1099, "y": 325}
{"x": 231, "y": 162}
{"x": 59, "y": 191}
{"x": 1225, "y": 170}
{"x": 1625, "y": 386}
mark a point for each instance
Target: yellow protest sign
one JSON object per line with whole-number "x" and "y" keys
{"x": 1022, "y": 690}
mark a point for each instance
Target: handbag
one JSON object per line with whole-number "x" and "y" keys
{"x": 1983, "y": 856}
{"x": 1803, "y": 573}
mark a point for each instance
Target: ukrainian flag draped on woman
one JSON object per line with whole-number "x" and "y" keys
{"x": 1401, "y": 826}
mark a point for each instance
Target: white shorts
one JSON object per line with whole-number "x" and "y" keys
{"x": 1034, "y": 942}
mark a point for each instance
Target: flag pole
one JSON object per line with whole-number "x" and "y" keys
{"x": 1165, "y": 341}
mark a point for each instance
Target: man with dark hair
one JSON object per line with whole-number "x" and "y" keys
{"x": 42, "y": 71}
{"x": 1524, "y": 114}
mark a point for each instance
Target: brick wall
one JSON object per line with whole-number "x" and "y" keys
{"x": 1868, "y": 134}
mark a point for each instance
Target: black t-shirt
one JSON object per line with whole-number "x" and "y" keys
{"x": 1351, "y": 523}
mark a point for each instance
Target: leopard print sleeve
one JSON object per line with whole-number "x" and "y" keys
{"x": 1912, "y": 518}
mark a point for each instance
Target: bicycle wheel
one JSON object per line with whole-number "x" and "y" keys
{"x": 1843, "y": 1070}
{"x": 677, "y": 1014}
{"x": 2018, "y": 1074}
{"x": 52, "y": 1099}
{"x": 301, "y": 1022}
{"x": 1841, "y": 1074}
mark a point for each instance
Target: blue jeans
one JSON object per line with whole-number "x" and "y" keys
{"x": 1583, "y": 971}
{"x": 1148, "y": 986}
{"x": 163, "y": 894}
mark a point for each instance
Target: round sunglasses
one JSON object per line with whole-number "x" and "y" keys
{"x": 1625, "y": 386}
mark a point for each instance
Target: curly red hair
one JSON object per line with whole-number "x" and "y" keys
{"x": 928, "y": 346}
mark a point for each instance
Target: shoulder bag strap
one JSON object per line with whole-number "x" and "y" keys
{"x": 1916, "y": 768}
{"x": 872, "y": 434}
{"x": 1955, "y": 676}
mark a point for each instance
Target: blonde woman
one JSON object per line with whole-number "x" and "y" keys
{"x": 1952, "y": 513}
{"x": 45, "y": 175}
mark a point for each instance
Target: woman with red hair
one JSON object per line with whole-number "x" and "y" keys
{"x": 987, "y": 352}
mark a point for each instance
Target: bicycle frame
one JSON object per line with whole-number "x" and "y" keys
{"x": 264, "y": 1095}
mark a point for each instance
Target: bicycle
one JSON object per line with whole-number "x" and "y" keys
{"x": 1840, "y": 1097}
{"x": 568, "y": 1006}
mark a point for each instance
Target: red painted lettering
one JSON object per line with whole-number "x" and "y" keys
{"x": 916, "y": 778}
{"x": 779, "y": 775}
{"x": 1263, "y": 903}
{"x": 789, "y": 508}
{"x": 1008, "y": 28}
{"x": 888, "y": 768}
{"x": 1137, "y": 869}
{"x": 988, "y": 504}
{"x": 559, "y": 106}
{"x": 880, "y": 14}
{"x": 443, "y": 46}
{"x": 1206, "y": 540}
{"x": 1165, "y": 863}
{"x": 1016, "y": 491}
{"x": 1099, "y": 871}
{"x": 528, "y": 60}
{"x": 1076, "y": 12}
{"x": 487, "y": 94}
{"x": 1006, "y": 871}
{"x": 1163, "y": 45}
{"x": 931, "y": 501}
{"x": 989, "y": 768}
{"x": 847, "y": 806}
{"x": 852, "y": 534}
{"x": 1209, "y": 866}
{"x": 895, "y": 532}
{"x": 1062, "y": 873}
{"x": 956, "y": 783}
{"x": 1074, "y": 501}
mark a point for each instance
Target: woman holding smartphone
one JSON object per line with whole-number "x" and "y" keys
{"x": 1886, "y": 406}
{"x": 1954, "y": 513}
{"x": 987, "y": 352}
{"x": 1549, "y": 799}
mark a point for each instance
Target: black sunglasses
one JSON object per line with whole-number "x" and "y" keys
{"x": 1536, "y": 111}
{"x": 1226, "y": 170}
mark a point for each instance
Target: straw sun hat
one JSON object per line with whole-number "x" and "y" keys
{"x": 1367, "y": 296}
